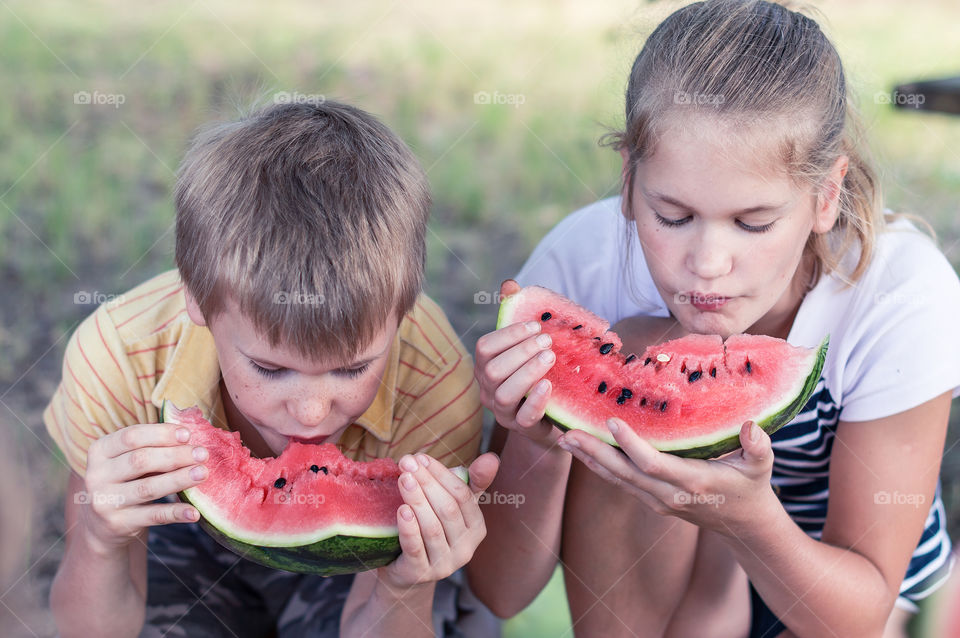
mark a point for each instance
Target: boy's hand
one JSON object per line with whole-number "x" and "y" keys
{"x": 440, "y": 522}
{"x": 128, "y": 469}
{"x": 509, "y": 364}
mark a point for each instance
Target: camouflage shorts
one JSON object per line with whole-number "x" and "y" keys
{"x": 198, "y": 588}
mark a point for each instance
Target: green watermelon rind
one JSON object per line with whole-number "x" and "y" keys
{"x": 329, "y": 553}
{"x": 713, "y": 445}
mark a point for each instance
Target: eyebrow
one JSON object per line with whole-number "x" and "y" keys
{"x": 690, "y": 209}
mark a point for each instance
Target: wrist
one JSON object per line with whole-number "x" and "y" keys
{"x": 98, "y": 548}
{"x": 393, "y": 593}
{"x": 765, "y": 521}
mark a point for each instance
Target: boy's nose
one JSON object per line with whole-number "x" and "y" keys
{"x": 310, "y": 411}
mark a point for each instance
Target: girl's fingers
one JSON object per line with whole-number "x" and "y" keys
{"x": 504, "y": 365}
{"x": 494, "y": 344}
{"x": 533, "y": 408}
{"x": 508, "y": 395}
{"x": 138, "y": 436}
{"x": 652, "y": 462}
{"x": 138, "y": 518}
{"x": 153, "y": 487}
{"x": 613, "y": 465}
{"x": 152, "y": 460}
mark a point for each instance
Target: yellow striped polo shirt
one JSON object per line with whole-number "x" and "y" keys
{"x": 141, "y": 348}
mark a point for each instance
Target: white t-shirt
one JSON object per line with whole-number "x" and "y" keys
{"x": 894, "y": 344}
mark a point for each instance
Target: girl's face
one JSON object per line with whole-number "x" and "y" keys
{"x": 723, "y": 229}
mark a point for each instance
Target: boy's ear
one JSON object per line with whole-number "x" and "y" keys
{"x": 828, "y": 199}
{"x": 193, "y": 309}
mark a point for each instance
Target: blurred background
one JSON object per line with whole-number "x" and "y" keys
{"x": 502, "y": 102}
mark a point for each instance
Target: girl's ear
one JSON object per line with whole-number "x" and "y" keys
{"x": 624, "y": 180}
{"x": 828, "y": 199}
{"x": 193, "y": 309}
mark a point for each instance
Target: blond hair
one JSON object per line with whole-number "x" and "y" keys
{"x": 756, "y": 63}
{"x": 310, "y": 216}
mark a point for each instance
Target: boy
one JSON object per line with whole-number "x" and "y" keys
{"x": 294, "y": 313}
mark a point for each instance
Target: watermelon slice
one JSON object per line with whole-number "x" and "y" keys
{"x": 689, "y": 396}
{"x": 310, "y": 510}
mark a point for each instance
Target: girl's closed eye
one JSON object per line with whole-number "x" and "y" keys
{"x": 673, "y": 223}
{"x": 750, "y": 228}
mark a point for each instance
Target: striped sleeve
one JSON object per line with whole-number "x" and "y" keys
{"x": 98, "y": 393}
{"x": 444, "y": 419}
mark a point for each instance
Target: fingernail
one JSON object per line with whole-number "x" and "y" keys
{"x": 754, "y": 432}
{"x": 546, "y": 356}
{"x": 408, "y": 481}
{"x": 408, "y": 463}
{"x": 544, "y": 341}
{"x": 424, "y": 460}
{"x": 569, "y": 443}
{"x": 199, "y": 454}
{"x": 198, "y": 473}
{"x": 533, "y": 327}
{"x": 612, "y": 426}
{"x": 183, "y": 435}
{"x": 190, "y": 514}
{"x": 542, "y": 387}
{"x": 406, "y": 513}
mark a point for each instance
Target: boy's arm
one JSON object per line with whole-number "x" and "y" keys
{"x": 440, "y": 526}
{"x": 97, "y": 593}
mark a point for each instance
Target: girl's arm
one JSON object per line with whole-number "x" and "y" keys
{"x": 883, "y": 476}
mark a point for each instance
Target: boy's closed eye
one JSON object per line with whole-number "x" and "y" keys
{"x": 350, "y": 373}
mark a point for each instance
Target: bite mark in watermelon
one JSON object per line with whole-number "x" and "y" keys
{"x": 689, "y": 396}
{"x": 309, "y": 510}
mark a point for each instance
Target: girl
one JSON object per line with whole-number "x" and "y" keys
{"x": 747, "y": 206}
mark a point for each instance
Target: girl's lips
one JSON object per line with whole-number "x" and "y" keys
{"x": 706, "y": 302}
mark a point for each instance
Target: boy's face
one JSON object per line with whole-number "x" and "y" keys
{"x": 284, "y": 396}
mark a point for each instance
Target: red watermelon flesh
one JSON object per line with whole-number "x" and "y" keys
{"x": 688, "y": 396}
{"x": 309, "y": 510}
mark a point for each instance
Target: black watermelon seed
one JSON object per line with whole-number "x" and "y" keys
{"x": 694, "y": 376}
{"x": 323, "y": 468}
{"x": 314, "y": 468}
{"x": 578, "y": 326}
{"x": 626, "y": 392}
{"x": 748, "y": 368}
{"x": 663, "y": 406}
{"x": 629, "y": 359}
{"x": 545, "y": 316}
{"x": 713, "y": 372}
{"x": 606, "y": 348}
{"x": 602, "y": 387}
{"x": 280, "y": 482}
{"x": 647, "y": 361}
{"x": 597, "y": 338}
{"x": 643, "y": 401}
{"x": 621, "y": 400}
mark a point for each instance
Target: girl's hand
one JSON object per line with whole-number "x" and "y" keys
{"x": 128, "y": 469}
{"x": 510, "y": 364}
{"x": 723, "y": 494}
{"x": 440, "y": 522}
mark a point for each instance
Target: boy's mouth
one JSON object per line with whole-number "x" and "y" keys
{"x": 317, "y": 440}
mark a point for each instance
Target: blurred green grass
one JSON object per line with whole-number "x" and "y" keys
{"x": 85, "y": 189}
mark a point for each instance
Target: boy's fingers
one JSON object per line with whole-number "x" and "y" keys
{"x": 141, "y": 435}
{"x": 153, "y": 460}
{"x": 482, "y": 472}
{"x": 153, "y": 487}
{"x": 411, "y": 542}
{"x": 431, "y": 529}
{"x": 441, "y": 499}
